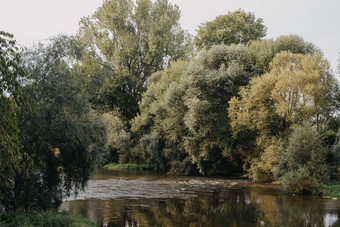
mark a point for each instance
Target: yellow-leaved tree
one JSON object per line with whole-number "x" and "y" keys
{"x": 297, "y": 88}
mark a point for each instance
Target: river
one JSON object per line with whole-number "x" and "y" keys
{"x": 132, "y": 198}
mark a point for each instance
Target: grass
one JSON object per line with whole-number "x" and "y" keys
{"x": 42, "y": 219}
{"x": 330, "y": 190}
{"x": 128, "y": 166}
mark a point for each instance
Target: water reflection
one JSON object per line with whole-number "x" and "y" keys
{"x": 151, "y": 200}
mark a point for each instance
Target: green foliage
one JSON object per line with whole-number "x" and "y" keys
{"x": 262, "y": 52}
{"x": 118, "y": 138}
{"x": 9, "y": 132}
{"x": 210, "y": 82}
{"x": 11, "y": 71}
{"x": 331, "y": 189}
{"x": 334, "y": 157}
{"x": 304, "y": 164}
{"x": 153, "y": 144}
{"x": 127, "y": 42}
{"x": 12, "y": 160}
{"x": 126, "y": 166}
{"x": 186, "y": 106}
{"x": 233, "y": 28}
{"x": 63, "y": 138}
{"x": 46, "y": 218}
{"x": 162, "y": 111}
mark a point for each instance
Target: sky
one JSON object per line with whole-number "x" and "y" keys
{"x": 316, "y": 21}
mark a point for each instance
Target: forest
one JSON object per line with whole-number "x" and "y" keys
{"x": 132, "y": 86}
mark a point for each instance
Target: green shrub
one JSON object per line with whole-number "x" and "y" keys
{"x": 304, "y": 164}
{"x": 126, "y": 166}
{"x": 298, "y": 180}
{"x": 331, "y": 189}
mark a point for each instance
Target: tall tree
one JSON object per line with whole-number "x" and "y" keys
{"x": 129, "y": 42}
{"x": 63, "y": 138}
{"x": 298, "y": 88}
{"x": 233, "y": 28}
{"x": 10, "y": 74}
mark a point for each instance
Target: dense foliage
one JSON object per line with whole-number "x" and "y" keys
{"x": 298, "y": 88}
{"x": 187, "y": 105}
{"x": 304, "y": 164}
{"x": 59, "y": 139}
{"x": 233, "y": 28}
{"x": 125, "y": 42}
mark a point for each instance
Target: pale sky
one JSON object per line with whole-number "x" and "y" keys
{"x": 316, "y": 21}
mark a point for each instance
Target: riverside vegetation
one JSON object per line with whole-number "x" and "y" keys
{"x": 133, "y": 87}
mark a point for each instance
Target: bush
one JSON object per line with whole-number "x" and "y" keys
{"x": 304, "y": 164}
{"x": 328, "y": 190}
{"x": 298, "y": 181}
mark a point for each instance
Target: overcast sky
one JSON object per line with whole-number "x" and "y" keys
{"x": 317, "y": 21}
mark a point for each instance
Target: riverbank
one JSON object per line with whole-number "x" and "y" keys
{"x": 43, "y": 218}
{"x": 330, "y": 190}
{"x": 149, "y": 198}
{"x": 127, "y": 166}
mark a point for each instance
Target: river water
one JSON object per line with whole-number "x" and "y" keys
{"x": 132, "y": 198}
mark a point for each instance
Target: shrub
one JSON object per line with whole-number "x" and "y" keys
{"x": 304, "y": 164}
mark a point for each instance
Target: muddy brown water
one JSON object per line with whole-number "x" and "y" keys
{"x": 133, "y": 198}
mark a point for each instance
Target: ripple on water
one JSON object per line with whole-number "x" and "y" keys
{"x": 154, "y": 188}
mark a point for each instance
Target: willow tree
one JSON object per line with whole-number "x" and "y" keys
{"x": 233, "y": 28}
{"x": 10, "y": 73}
{"x": 60, "y": 142}
{"x": 186, "y": 105}
{"x": 127, "y": 42}
{"x": 298, "y": 88}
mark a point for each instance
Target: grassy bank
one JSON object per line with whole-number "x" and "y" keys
{"x": 129, "y": 166}
{"x": 328, "y": 190}
{"x": 44, "y": 218}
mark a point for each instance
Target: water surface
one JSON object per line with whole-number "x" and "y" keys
{"x": 132, "y": 198}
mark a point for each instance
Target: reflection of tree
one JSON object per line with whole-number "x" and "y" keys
{"x": 287, "y": 210}
{"x": 229, "y": 208}
{"x": 235, "y": 210}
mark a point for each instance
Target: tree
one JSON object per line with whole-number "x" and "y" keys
{"x": 130, "y": 42}
{"x": 161, "y": 120}
{"x": 10, "y": 73}
{"x": 186, "y": 105}
{"x": 64, "y": 138}
{"x": 210, "y": 82}
{"x": 233, "y": 28}
{"x": 262, "y": 52}
{"x": 298, "y": 88}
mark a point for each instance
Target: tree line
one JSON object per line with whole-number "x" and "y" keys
{"x": 133, "y": 87}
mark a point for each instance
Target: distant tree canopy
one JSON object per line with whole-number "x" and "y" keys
{"x": 125, "y": 42}
{"x": 233, "y": 28}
